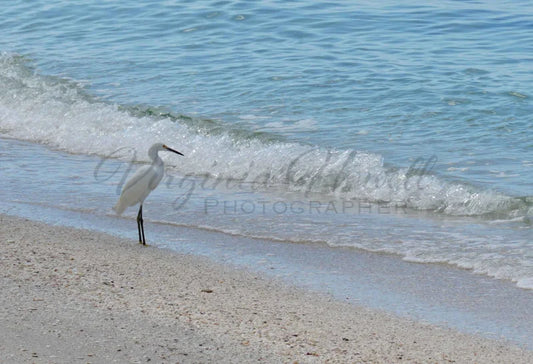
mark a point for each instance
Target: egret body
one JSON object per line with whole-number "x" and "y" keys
{"x": 139, "y": 186}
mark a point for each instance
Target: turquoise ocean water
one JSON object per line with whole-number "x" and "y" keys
{"x": 393, "y": 128}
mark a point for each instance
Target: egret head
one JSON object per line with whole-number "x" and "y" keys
{"x": 154, "y": 149}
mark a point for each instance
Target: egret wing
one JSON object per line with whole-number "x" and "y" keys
{"x": 137, "y": 176}
{"x": 156, "y": 177}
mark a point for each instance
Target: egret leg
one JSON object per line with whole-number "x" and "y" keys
{"x": 140, "y": 226}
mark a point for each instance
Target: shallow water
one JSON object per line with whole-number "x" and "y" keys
{"x": 62, "y": 189}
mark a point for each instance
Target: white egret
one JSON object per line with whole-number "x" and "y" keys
{"x": 143, "y": 181}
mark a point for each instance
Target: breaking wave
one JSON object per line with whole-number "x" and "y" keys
{"x": 59, "y": 112}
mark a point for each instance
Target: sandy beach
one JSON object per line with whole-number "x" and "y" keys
{"x": 75, "y": 296}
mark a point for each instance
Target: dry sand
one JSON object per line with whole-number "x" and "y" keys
{"x": 75, "y": 296}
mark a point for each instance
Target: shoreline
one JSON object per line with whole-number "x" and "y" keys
{"x": 73, "y": 294}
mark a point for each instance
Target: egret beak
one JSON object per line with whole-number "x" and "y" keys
{"x": 172, "y": 150}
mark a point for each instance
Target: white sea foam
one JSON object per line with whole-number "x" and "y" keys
{"x": 60, "y": 113}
